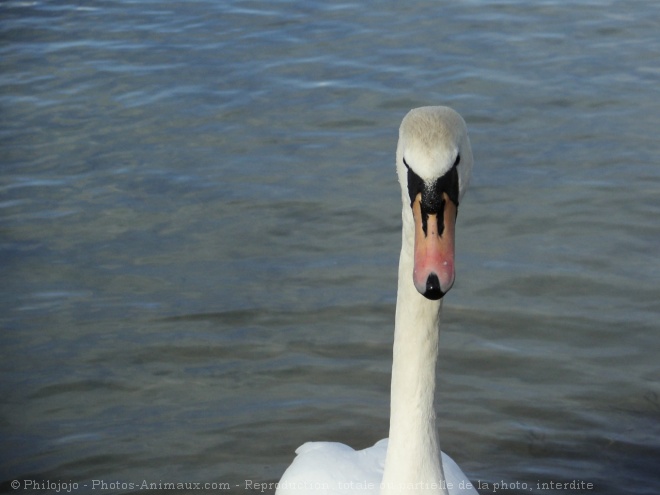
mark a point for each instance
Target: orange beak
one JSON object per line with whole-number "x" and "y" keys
{"x": 433, "y": 274}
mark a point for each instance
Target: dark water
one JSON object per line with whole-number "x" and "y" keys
{"x": 199, "y": 232}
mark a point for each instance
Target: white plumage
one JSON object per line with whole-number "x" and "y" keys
{"x": 433, "y": 155}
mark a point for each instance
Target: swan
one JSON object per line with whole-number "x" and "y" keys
{"x": 433, "y": 163}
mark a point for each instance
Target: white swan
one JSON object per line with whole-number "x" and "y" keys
{"x": 434, "y": 162}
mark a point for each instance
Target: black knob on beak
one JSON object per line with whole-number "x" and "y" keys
{"x": 433, "y": 290}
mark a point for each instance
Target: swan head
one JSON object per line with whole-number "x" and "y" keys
{"x": 434, "y": 163}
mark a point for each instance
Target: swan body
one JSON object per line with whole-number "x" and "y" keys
{"x": 331, "y": 468}
{"x": 434, "y": 163}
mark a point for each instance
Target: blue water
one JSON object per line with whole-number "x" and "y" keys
{"x": 200, "y": 225}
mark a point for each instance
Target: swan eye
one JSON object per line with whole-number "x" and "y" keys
{"x": 415, "y": 183}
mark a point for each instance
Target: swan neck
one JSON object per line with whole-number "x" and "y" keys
{"x": 413, "y": 457}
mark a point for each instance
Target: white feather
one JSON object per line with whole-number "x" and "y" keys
{"x": 410, "y": 462}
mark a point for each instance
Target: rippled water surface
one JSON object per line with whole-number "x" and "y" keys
{"x": 200, "y": 225}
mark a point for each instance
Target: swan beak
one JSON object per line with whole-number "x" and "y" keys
{"x": 433, "y": 274}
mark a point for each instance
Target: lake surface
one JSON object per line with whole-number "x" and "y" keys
{"x": 200, "y": 227}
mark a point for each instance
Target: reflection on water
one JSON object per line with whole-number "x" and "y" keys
{"x": 200, "y": 229}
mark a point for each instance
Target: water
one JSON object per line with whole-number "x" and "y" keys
{"x": 200, "y": 229}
